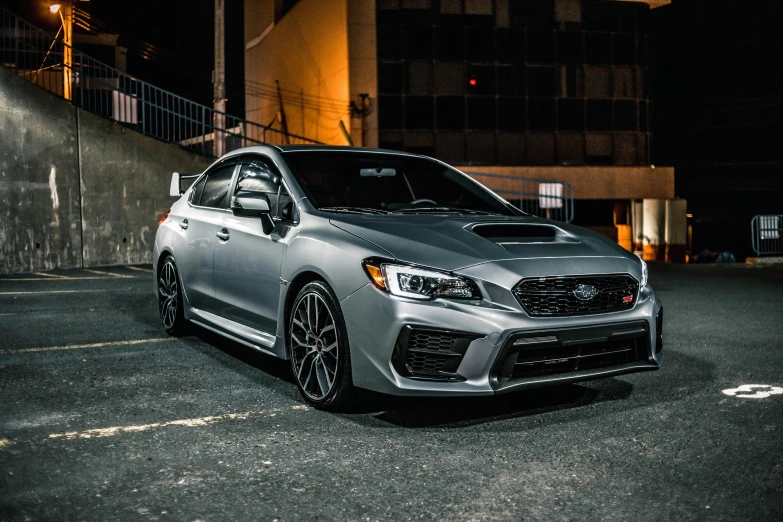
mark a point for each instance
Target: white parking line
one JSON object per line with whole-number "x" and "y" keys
{"x": 139, "y": 269}
{"x": 65, "y": 291}
{"x": 188, "y": 423}
{"x": 91, "y": 345}
{"x": 44, "y": 274}
{"x": 111, "y": 274}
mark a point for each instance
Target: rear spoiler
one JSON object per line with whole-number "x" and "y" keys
{"x": 175, "y": 189}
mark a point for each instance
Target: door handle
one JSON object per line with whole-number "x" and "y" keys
{"x": 184, "y": 224}
{"x": 223, "y": 234}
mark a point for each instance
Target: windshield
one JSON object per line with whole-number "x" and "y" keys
{"x": 380, "y": 183}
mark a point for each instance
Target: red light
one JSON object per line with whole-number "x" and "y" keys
{"x": 628, "y": 299}
{"x": 164, "y": 218}
{"x": 472, "y": 82}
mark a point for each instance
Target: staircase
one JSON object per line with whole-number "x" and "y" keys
{"x": 38, "y": 57}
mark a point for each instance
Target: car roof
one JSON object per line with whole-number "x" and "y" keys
{"x": 323, "y": 148}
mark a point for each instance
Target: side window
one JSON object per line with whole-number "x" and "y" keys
{"x": 259, "y": 175}
{"x": 215, "y": 192}
{"x": 198, "y": 189}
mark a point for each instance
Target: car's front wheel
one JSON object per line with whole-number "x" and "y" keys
{"x": 170, "y": 306}
{"x": 318, "y": 348}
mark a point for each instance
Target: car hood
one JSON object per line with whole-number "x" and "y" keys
{"x": 453, "y": 242}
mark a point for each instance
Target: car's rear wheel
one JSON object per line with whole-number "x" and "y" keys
{"x": 318, "y": 348}
{"x": 170, "y": 306}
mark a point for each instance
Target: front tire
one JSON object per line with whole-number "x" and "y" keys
{"x": 318, "y": 348}
{"x": 170, "y": 305}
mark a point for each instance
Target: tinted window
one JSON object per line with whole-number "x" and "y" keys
{"x": 215, "y": 194}
{"x": 344, "y": 179}
{"x": 198, "y": 189}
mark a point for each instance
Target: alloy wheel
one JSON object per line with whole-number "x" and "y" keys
{"x": 314, "y": 346}
{"x": 167, "y": 295}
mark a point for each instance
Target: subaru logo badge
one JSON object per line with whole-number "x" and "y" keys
{"x": 585, "y": 292}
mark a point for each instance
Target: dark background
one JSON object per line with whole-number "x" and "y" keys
{"x": 718, "y": 113}
{"x": 716, "y": 92}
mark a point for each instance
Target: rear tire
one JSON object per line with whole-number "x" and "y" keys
{"x": 170, "y": 305}
{"x": 318, "y": 348}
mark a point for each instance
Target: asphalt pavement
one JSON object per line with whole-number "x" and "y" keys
{"x": 104, "y": 417}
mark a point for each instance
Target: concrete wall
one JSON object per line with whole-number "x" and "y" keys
{"x": 612, "y": 182}
{"x": 77, "y": 189}
{"x": 307, "y": 52}
{"x": 39, "y": 179}
{"x": 125, "y": 189}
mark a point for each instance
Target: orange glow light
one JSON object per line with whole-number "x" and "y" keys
{"x": 54, "y": 8}
{"x": 377, "y": 276}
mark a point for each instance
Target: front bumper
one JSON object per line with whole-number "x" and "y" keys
{"x": 376, "y": 320}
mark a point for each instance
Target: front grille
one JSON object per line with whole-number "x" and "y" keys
{"x": 557, "y": 296}
{"x": 574, "y": 352}
{"x": 430, "y": 354}
{"x": 565, "y": 359}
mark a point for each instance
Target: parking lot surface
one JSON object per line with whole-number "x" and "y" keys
{"x": 104, "y": 417}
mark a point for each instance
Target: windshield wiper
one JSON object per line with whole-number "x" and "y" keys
{"x": 355, "y": 210}
{"x": 416, "y": 210}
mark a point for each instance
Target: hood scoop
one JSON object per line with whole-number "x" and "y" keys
{"x": 509, "y": 234}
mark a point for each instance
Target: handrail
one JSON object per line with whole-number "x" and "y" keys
{"x": 109, "y": 92}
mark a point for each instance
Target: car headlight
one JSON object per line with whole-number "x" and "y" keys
{"x": 644, "y": 275}
{"x": 419, "y": 283}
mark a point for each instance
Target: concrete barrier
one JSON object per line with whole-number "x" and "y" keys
{"x": 77, "y": 189}
{"x": 676, "y": 230}
{"x": 654, "y": 229}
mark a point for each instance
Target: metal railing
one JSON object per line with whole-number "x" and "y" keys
{"x": 767, "y": 234}
{"x": 539, "y": 197}
{"x": 40, "y": 58}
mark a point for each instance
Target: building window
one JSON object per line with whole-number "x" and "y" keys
{"x": 481, "y": 112}
{"x": 511, "y": 114}
{"x": 571, "y": 114}
{"x": 541, "y": 114}
{"x": 420, "y": 78}
{"x": 541, "y": 81}
{"x": 451, "y": 78}
{"x": 390, "y": 112}
{"x": 599, "y": 114}
{"x": 625, "y": 115}
{"x": 572, "y": 81}
{"x": 419, "y": 112}
{"x": 597, "y": 83}
{"x": 598, "y": 48}
{"x": 481, "y": 79}
{"x": 541, "y": 148}
{"x": 450, "y": 112}
{"x": 390, "y": 78}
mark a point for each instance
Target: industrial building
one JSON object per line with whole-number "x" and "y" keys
{"x": 553, "y": 90}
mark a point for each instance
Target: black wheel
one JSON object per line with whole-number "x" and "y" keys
{"x": 318, "y": 348}
{"x": 170, "y": 298}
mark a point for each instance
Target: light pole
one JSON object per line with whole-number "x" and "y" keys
{"x": 66, "y": 15}
{"x": 219, "y": 118}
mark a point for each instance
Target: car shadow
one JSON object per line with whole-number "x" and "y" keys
{"x": 417, "y": 412}
{"x": 251, "y": 360}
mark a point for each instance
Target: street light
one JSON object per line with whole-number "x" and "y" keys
{"x": 67, "y": 20}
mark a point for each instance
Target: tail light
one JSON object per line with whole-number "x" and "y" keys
{"x": 165, "y": 216}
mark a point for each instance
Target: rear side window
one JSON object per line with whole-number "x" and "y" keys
{"x": 215, "y": 192}
{"x": 198, "y": 189}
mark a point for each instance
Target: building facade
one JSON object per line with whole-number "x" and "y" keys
{"x": 552, "y": 89}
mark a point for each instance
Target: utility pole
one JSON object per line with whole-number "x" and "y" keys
{"x": 362, "y": 111}
{"x": 219, "y": 81}
{"x": 65, "y": 10}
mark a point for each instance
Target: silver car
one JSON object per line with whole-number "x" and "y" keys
{"x": 396, "y": 273}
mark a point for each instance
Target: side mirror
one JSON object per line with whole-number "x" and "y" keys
{"x": 174, "y": 188}
{"x": 250, "y": 204}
